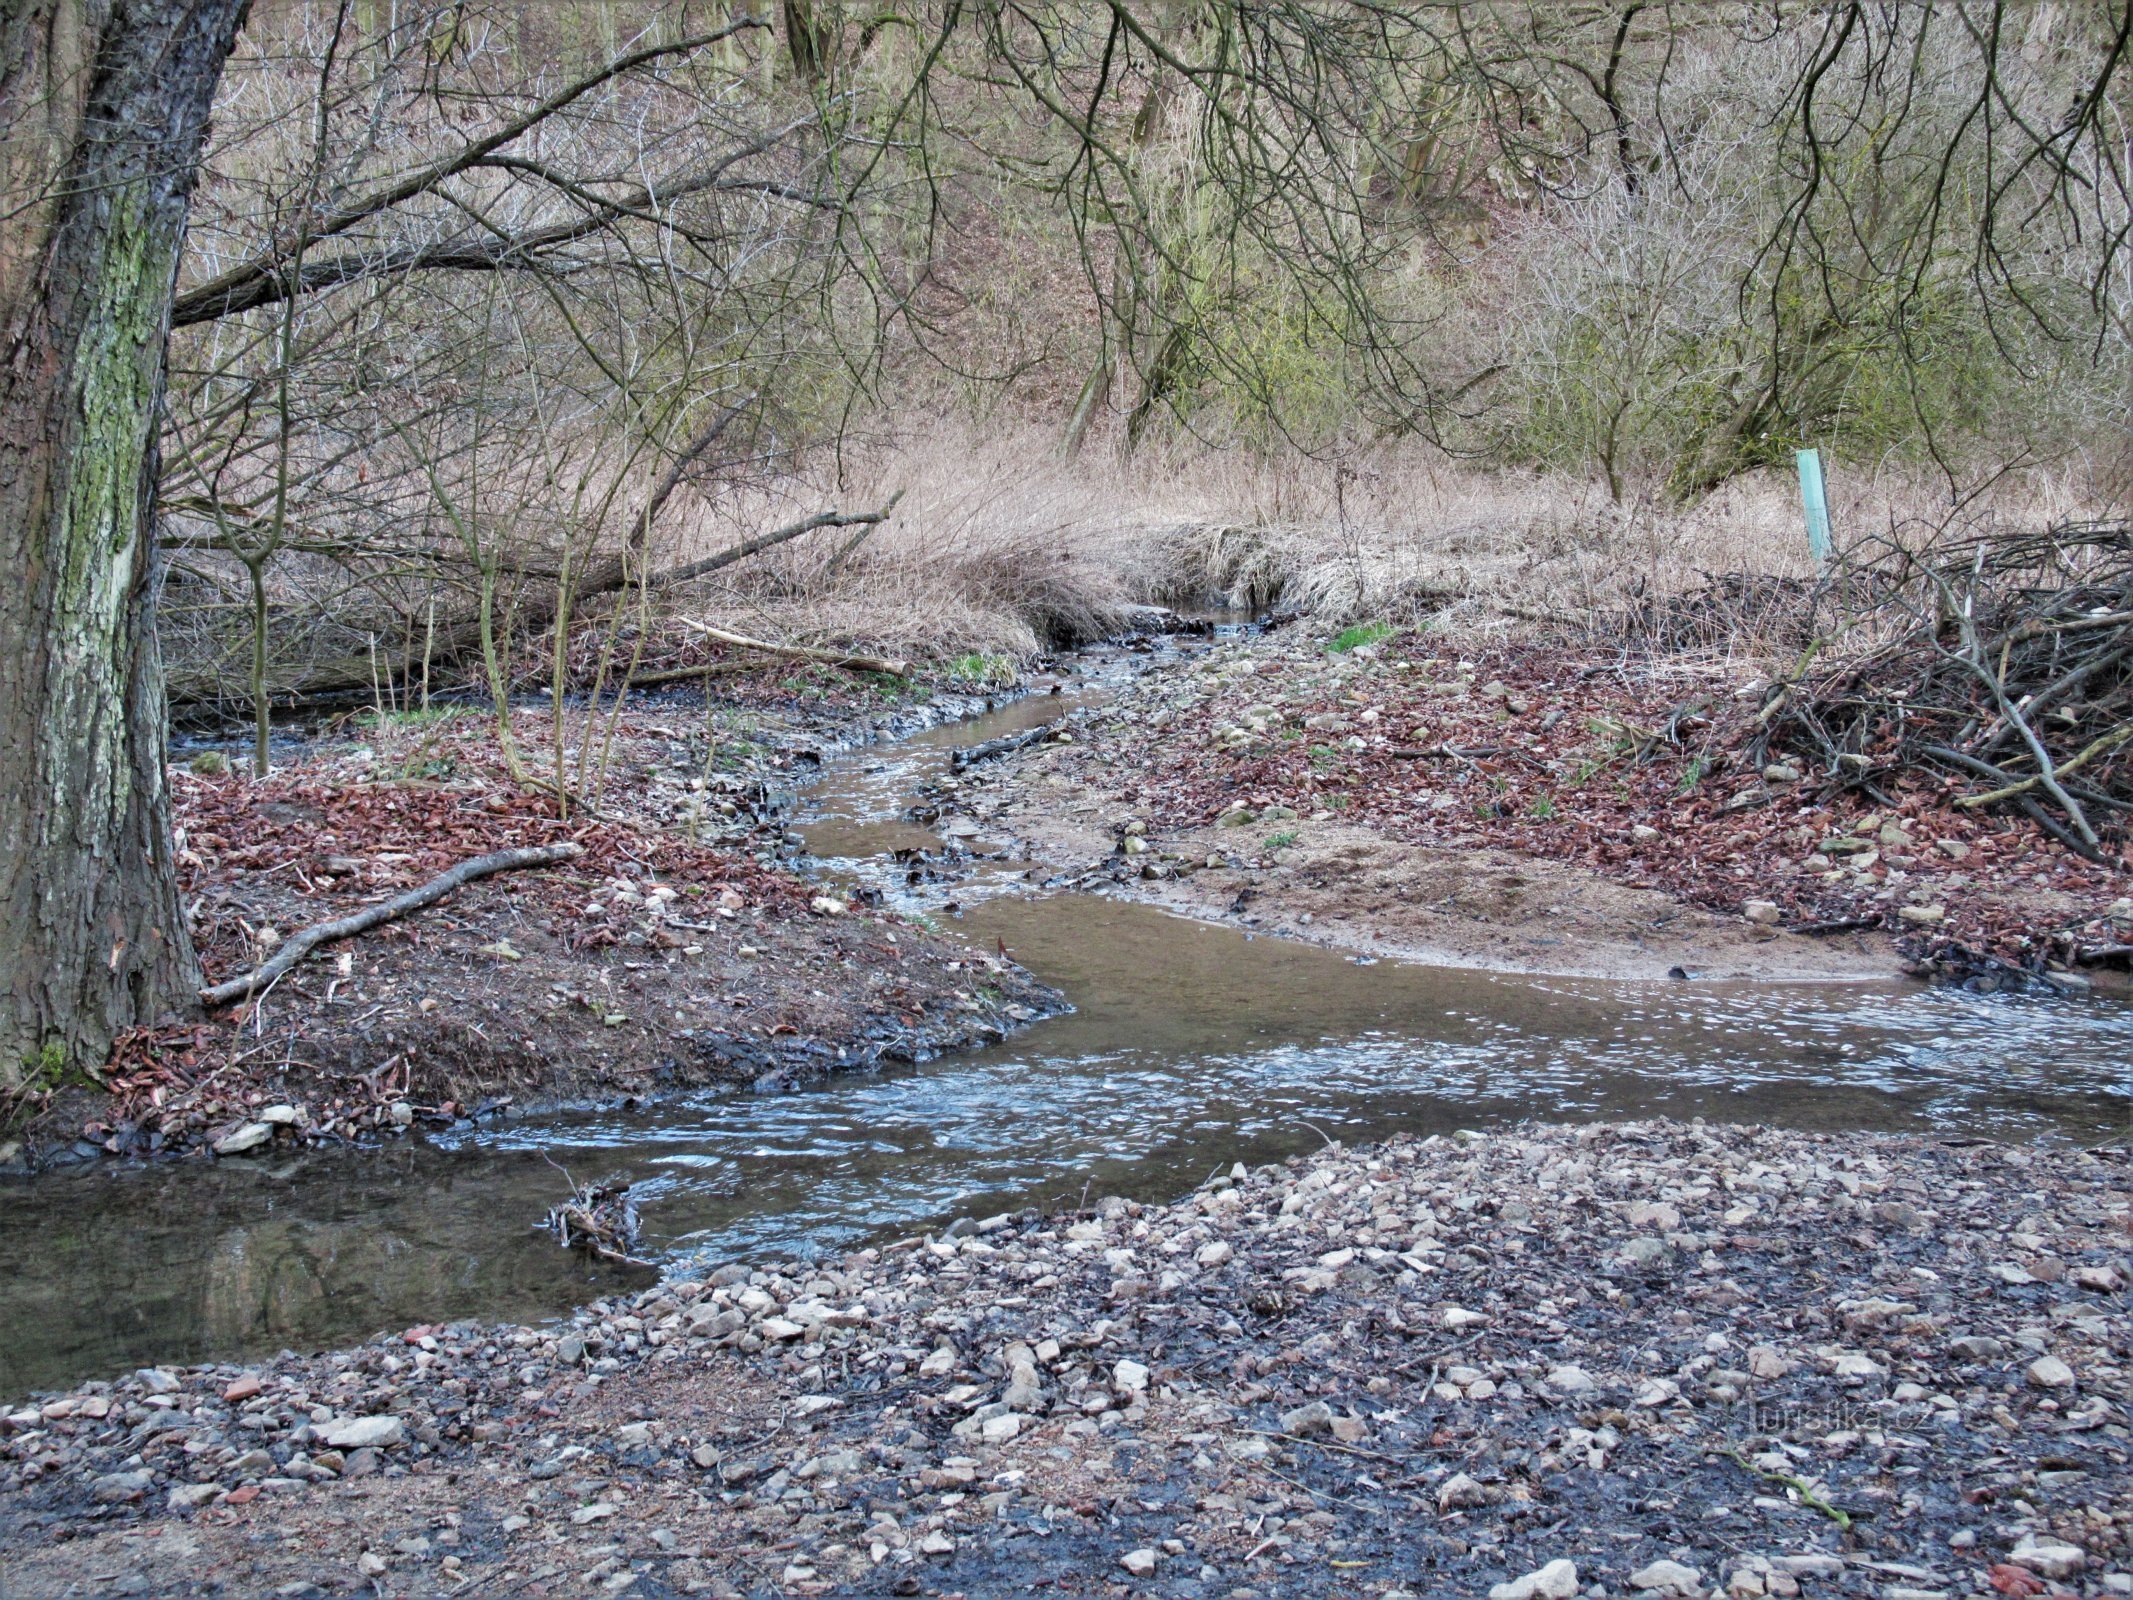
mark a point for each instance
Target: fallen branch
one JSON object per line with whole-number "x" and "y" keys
{"x": 2103, "y": 746}
{"x": 849, "y": 660}
{"x": 304, "y": 941}
{"x": 1006, "y": 744}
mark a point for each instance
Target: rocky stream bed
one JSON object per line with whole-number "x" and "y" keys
{"x": 1643, "y": 1359}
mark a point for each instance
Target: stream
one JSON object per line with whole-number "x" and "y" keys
{"x": 1190, "y": 1046}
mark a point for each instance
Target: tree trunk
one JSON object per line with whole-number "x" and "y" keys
{"x": 103, "y": 107}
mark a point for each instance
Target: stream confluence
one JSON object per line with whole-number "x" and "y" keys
{"x": 1190, "y": 1046}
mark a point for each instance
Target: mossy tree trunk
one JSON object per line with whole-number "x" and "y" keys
{"x": 103, "y": 107}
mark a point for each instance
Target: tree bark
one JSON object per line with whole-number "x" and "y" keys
{"x": 103, "y": 107}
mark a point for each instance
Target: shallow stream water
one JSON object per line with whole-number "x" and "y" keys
{"x": 1190, "y": 1047}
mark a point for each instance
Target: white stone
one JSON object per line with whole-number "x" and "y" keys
{"x": 1129, "y": 1377}
{"x": 363, "y": 1433}
{"x": 1667, "y": 1577}
{"x": 2048, "y": 1557}
{"x": 1558, "y": 1580}
{"x": 2049, "y": 1372}
{"x": 1138, "y": 1562}
{"x": 249, "y": 1137}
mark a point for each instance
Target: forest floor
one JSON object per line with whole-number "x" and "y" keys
{"x": 1524, "y": 807}
{"x": 1655, "y": 1359}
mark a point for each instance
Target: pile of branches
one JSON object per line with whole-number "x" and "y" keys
{"x": 2003, "y": 660}
{"x": 599, "y": 1218}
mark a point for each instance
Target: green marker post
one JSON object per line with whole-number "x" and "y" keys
{"x": 1814, "y": 501}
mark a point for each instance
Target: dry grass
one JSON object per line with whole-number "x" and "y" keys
{"x": 1000, "y": 546}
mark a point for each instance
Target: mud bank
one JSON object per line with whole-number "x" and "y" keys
{"x": 1520, "y": 810}
{"x": 1677, "y": 1359}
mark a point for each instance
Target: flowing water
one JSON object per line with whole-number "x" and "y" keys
{"x": 1190, "y": 1047}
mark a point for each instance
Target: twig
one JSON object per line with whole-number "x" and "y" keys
{"x": 1799, "y": 1486}
{"x": 304, "y": 941}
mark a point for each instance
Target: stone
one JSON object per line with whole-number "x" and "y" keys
{"x": 244, "y": 1388}
{"x": 1765, "y": 912}
{"x": 1765, "y": 1362}
{"x": 779, "y": 1328}
{"x": 281, "y": 1116}
{"x": 1460, "y": 1492}
{"x": 115, "y": 1488}
{"x": 1570, "y": 1379}
{"x": 1141, "y": 1563}
{"x": 1922, "y": 916}
{"x": 1781, "y": 772}
{"x": 1457, "y": 1319}
{"x": 364, "y": 1433}
{"x": 1667, "y": 1577}
{"x": 2049, "y": 1372}
{"x": 1308, "y": 1421}
{"x": 1129, "y": 1377}
{"x": 2048, "y": 1557}
{"x": 570, "y": 1349}
{"x": 1654, "y": 1214}
{"x": 192, "y": 1496}
{"x": 247, "y": 1138}
{"x": 2104, "y": 1280}
{"x": 1214, "y": 1255}
{"x": 1558, "y": 1580}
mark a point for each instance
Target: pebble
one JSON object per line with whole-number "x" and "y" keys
{"x": 1141, "y": 1563}
{"x": 2049, "y": 1372}
{"x": 364, "y": 1433}
{"x": 247, "y": 1138}
{"x": 1667, "y": 1577}
{"x": 1558, "y": 1580}
{"x": 2048, "y": 1557}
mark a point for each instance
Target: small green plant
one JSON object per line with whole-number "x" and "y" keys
{"x": 1360, "y": 634}
{"x": 1283, "y": 839}
{"x": 1543, "y": 808}
{"x": 47, "y": 1069}
{"x": 411, "y": 717}
{"x": 1694, "y": 775}
{"x": 978, "y": 667}
{"x": 210, "y": 764}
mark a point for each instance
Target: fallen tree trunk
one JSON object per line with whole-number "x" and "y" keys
{"x": 452, "y": 639}
{"x": 302, "y": 943}
{"x": 849, "y": 660}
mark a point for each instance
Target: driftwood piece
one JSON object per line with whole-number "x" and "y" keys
{"x": 304, "y": 941}
{"x": 1006, "y": 744}
{"x": 851, "y": 661}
